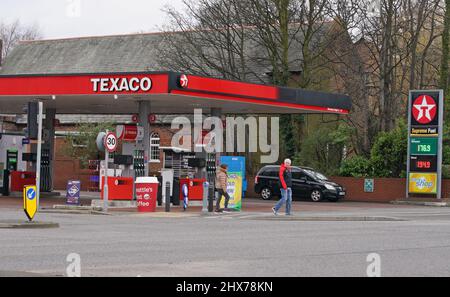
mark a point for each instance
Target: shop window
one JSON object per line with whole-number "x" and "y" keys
{"x": 154, "y": 147}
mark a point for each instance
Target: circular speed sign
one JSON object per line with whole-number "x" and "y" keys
{"x": 111, "y": 142}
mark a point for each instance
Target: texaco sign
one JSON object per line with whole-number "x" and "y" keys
{"x": 425, "y": 127}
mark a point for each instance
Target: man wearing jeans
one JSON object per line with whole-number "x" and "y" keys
{"x": 285, "y": 176}
{"x": 221, "y": 186}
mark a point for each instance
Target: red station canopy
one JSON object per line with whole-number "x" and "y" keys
{"x": 168, "y": 92}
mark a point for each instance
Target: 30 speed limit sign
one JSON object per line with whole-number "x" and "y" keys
{"x": 111, "y": 142}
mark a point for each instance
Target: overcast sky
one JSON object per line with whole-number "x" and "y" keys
{"x": 70, "y": 18}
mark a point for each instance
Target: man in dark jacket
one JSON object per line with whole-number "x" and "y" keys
{"x": 285, "y": 176}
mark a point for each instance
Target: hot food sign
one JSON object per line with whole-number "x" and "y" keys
{"x": 424, "y": 164}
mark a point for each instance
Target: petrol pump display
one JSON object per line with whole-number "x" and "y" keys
{"x": 425, "y": 142}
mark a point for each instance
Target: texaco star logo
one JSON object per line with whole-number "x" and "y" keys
{"x": 184, "y": 81}
{"x": 424, "y": 109}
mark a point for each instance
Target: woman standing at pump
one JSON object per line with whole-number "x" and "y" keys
{"x": 285, "y": 175}
{"x": 221, "y": 186}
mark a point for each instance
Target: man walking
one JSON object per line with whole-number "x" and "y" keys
{"x": 221, "y": 186}
{"x": 285, "y": 176}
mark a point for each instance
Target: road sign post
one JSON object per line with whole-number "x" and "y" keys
{"x": 110, "y": 144}
{"x": 30, "y": 201}
{"x": 425, "y": 130}
{"x": 39, "y": 153}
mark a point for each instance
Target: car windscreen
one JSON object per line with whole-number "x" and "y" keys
{"x": 269, "y": 171}
{"x": 316, "y": 174}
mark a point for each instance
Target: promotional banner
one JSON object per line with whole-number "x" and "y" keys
{"x": 234, "y": 189}
{"x": 73, "y": 192}
{"x": 426, "y": 112}
{"x": 423, "y": 183}
{"x": 130, "y": 132}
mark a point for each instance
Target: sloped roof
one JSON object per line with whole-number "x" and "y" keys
{"x": 105, "y": 54}
{"x": 120, "y": 53}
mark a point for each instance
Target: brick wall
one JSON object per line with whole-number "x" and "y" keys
{"x": 385, "y": 189}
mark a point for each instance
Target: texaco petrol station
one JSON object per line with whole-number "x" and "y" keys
{"x": 145, "y": 93}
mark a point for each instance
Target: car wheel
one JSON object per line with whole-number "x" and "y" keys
{"x": 316, "y": 195}
{"x": 266, "y": 194}
{"x": 333, "y": 199}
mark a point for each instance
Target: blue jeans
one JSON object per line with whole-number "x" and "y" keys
{"x": 286, "y": 197}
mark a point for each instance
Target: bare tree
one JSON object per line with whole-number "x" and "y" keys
{"x": 209, "y": 38}
{"x": 444, "y": 71}
{"x": 14, "y": 32}
{"x": 282, "y": 42}
{"x": 399, "y": 35}
{"x": 374, "y": 53}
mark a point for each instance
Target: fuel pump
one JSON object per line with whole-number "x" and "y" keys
{"x": 11, "y": 160}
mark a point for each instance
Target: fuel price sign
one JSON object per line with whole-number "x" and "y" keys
{"x": 423, "y": 163}
{"x": 426, "y": 114}
{"x": 424, "y": 146}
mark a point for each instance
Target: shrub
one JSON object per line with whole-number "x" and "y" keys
{"x": 389, "y": 152}
{"x": 357, "y": 166}
{"x": 387, "y": 159}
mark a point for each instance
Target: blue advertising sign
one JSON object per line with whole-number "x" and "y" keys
{"x": 73, "y": 192}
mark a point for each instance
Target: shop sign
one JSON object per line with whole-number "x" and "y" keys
{"x": 117, "y": 85}
{"x": 423, "y": 183}
{"x": 130, "y": 132}
{"x": 425, "y": 129}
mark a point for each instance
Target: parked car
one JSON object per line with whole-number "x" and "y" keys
{"x": 306, "y": 183}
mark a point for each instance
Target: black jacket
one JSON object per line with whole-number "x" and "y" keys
{"x": 285, "y": 177}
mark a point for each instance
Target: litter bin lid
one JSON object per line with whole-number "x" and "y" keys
{"x": 147, "y": 180}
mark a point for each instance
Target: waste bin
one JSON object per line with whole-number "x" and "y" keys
{"x": 5, "y": 189}
{"x": 176, "y": 191}
{"x": 160, "y": 189}
{"x": 146, "y": 193}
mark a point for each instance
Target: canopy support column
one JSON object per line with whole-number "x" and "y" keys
{"x": 49, "y": 148}
{"x": 144, "y": 112}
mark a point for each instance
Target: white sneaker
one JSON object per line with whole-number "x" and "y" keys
{"x": 274, "y": 211}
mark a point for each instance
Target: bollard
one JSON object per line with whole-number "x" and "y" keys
{"x": 211, "y": 198}
{"x": 205, "y": 196}
{"x": 5, "y": 189}
{"x": 167, "y": 197}
{"x": 185, "y": 191}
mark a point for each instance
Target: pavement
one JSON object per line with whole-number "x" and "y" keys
{"x": 410, "y": 240}
{"x": 25, "y": 224}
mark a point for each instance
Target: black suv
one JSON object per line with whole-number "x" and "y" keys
{"x": 306, "y": 183}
